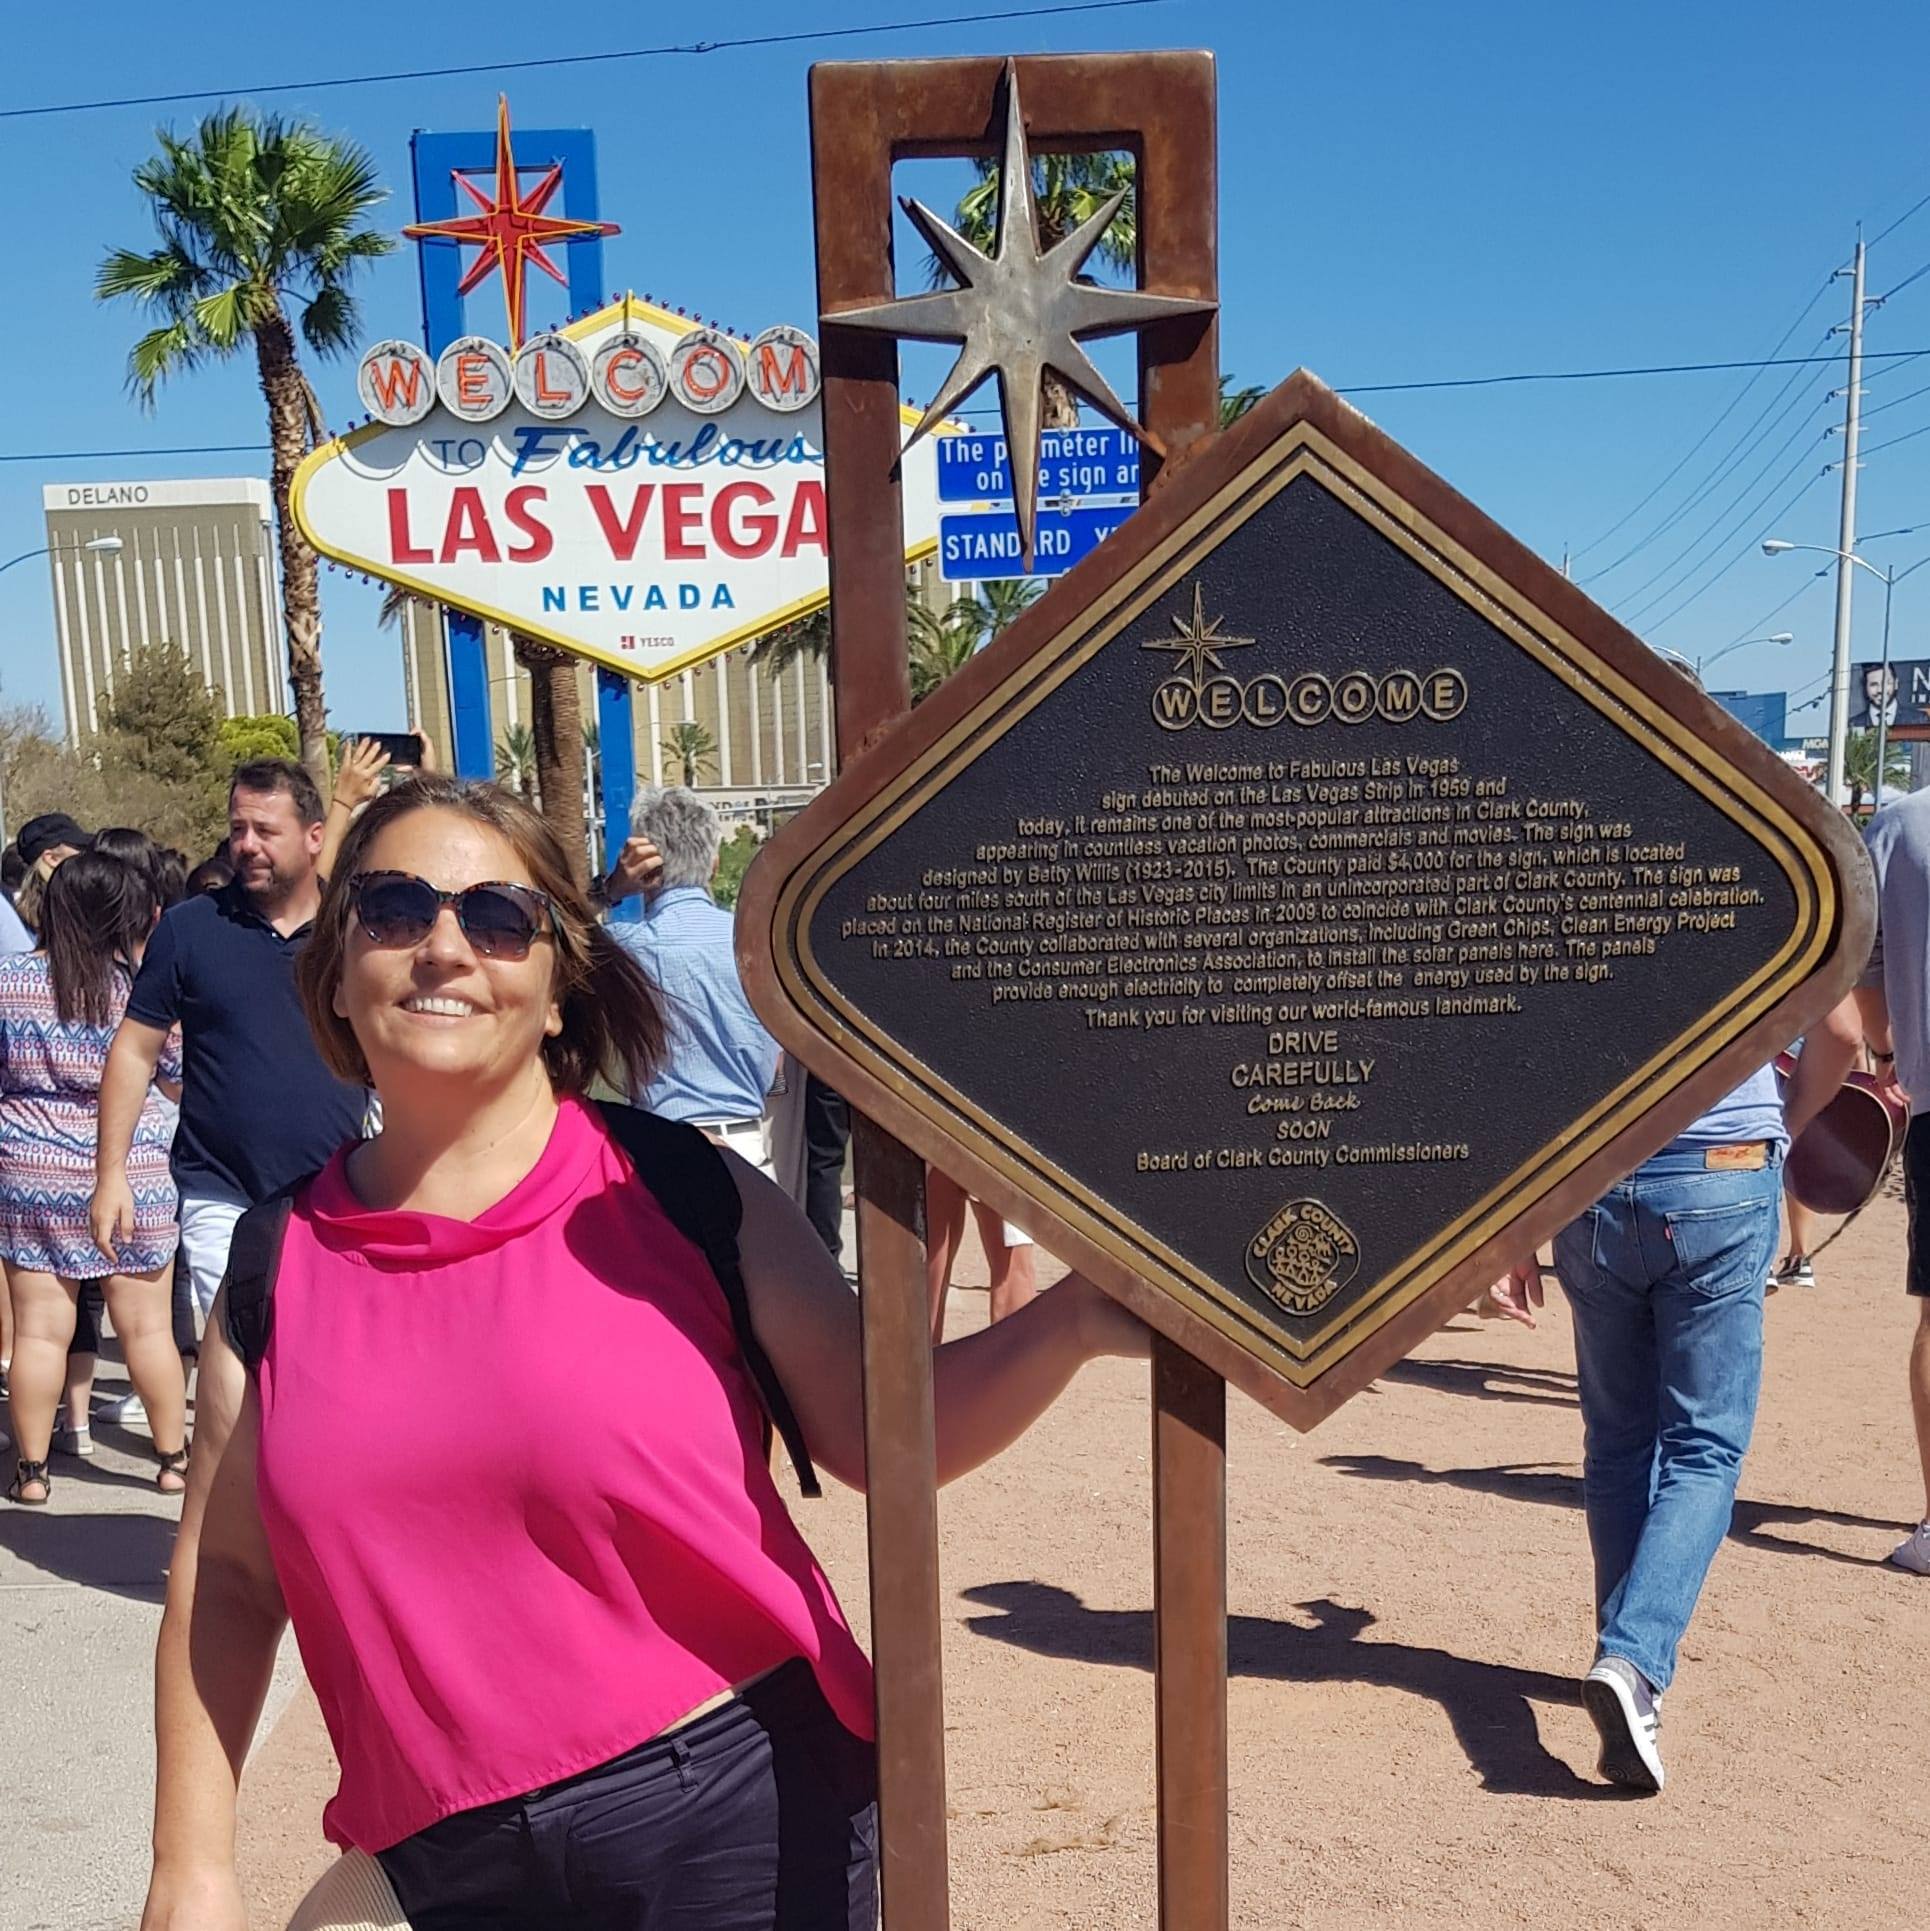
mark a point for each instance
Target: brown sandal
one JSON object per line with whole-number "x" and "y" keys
{"x": 175, "y": 1465}
{"x": 25, "y": 1473}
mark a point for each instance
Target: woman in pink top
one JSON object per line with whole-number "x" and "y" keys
{"x": 502, "y": 1462}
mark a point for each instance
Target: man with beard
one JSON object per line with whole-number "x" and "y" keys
{"x": 258, "y": 1107}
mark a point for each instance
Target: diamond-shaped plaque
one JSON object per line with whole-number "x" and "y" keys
{"x": 1310, "y": 905}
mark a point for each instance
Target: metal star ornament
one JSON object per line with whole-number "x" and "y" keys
{"x": 1018, "y": 312}
{"x": 1199, "y": 642}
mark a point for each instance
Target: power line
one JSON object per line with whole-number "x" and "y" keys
{"x": 1764, "y": 425}
{"x": 1914, "y": 207}
{"x": 1754, "y": 627}
{"x": 575, "y": 60}
{"x": 1916, "y": 274}
{"x": 1682, "y": 462}
{"x": 1345, "y": 389}
{"x": 1738, "y": 452}
{"x": 1600, "y": 375}
{"x": 1748, "y": 516}
{"x": 1775, "y": 516}
{"x": 1896, "y": 401}
{"x": 1909, "y": 435}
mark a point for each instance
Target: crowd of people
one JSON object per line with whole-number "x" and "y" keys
{"x": 380, "y": 1106}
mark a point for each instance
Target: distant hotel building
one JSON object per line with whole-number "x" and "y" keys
{"x": 774, "y": 737}
{"x": 196, "y": 568}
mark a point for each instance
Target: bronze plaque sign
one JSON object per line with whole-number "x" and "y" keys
{"x": 1311, "y": 898}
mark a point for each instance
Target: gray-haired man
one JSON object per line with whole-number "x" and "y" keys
{"x": 719, "y": 1062}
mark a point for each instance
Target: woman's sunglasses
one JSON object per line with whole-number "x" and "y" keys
{"x": 500, "y": 921}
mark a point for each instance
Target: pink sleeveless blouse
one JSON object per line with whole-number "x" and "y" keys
{"x": 513, "y": 1481}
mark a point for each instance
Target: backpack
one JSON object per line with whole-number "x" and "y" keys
{"x": 684, "y": 1173}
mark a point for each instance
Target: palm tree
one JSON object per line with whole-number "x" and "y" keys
{"x": 808, "y": 636}
{"x": 516, "y": 758}
{"x": 556, "y": 732}
{"x": 255, "y": 215}
{"x": 1859, "y": 764}
{"x": 1234, "y": 405}
{"x": 1068, "y": 189}
{"x": 1005, "y": 600}
{"x": 942, "y": 641}
{"x": 690, "y": 745}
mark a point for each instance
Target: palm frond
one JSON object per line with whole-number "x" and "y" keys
{"x": 222, "y": 318}
{"x": 160, "y": 353}
{"x": 168, "y": 277}
{"x": 331, "y": 320}
{"x": 1067, "y": 189}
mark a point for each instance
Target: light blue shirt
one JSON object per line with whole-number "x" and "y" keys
{"x": 718, "y": 1061}
{"x": 14, "y": 936}
{"x": 1754, "y": 1111}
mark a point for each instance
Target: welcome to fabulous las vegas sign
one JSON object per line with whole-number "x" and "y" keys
{"x": 638, "y": 488}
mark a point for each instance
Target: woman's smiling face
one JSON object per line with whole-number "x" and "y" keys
{"x": 439, "y": 1008}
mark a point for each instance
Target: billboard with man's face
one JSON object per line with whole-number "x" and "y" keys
{"x": 1898, "y": 693}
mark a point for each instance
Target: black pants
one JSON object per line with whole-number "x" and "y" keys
{"x": 827, "y": 1132}
{"x": 761, "y": 1816}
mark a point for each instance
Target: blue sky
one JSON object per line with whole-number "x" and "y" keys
{"x": 1411, "y": 192}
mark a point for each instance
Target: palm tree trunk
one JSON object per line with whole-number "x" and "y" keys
{"x": 556, "y": 725}
{"x": 1061, "y": 405}
{"x": 285, "y": 390}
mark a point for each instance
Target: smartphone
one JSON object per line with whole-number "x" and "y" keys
{"x": 403, "y": 747}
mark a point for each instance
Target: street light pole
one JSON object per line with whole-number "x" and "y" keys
{"x": 1704, "y": 664}
{"x": 1883, "y": 695}
{"x": 1839, "y": 692}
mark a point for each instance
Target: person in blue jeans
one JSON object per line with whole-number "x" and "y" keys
{"x": 1664, "y": 1277}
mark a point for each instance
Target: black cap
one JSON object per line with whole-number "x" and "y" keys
{"x": 51, "y": 828}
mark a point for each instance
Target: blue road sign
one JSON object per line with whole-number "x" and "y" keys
{"x": 1072, "y": 462}
{"x": 982, "y": 548}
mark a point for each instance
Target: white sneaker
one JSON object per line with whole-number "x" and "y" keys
{"x": 1914, "y": 1554}
{"x": 1627, "y": 1714}
{"x": 120, "y": 1409}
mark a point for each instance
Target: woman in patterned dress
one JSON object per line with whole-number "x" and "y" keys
{"x": 59, "y": 1006}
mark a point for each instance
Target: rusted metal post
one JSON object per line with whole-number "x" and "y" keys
{"x": 1178, "y": 209}
{"x": 865, "y": 117}
{"x": 1189, "y": 1638}
{"x": 870, "y": 678}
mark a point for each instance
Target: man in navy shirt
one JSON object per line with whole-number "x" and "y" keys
{"x": 258, "y": 1107}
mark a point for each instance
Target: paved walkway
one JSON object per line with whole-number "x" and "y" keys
{"x": 80, "y": 1593}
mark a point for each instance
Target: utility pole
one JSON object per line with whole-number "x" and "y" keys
{"x": 1839, "y": 685}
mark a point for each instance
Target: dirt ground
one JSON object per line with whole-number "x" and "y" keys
{"x": 1410, "y": 1608}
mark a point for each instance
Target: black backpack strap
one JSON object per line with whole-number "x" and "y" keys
{"x": 690, "y": 1180}
{"x": 254, "y": 1256}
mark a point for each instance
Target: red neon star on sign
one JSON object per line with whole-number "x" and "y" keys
{"x": 511, "y": 229}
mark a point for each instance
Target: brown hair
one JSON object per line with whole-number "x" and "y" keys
{"x": 612, "y": 1024}
{"x": 270, "y": 775}
{"x": 96, "y": 911}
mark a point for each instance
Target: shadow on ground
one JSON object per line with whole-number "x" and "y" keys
{"x": 122, "y": 1554}
{"x": 1488, "y": 1705}
{"x": 1488, "y": 1381}
{"x": 1536, "y": 1482}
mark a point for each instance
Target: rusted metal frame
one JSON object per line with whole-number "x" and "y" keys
{"x": 1178, "y": 208}
{"x": 1189, "y": 1638}
{"x": 871, "y": 684}
{"x": 862, "y": 114}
